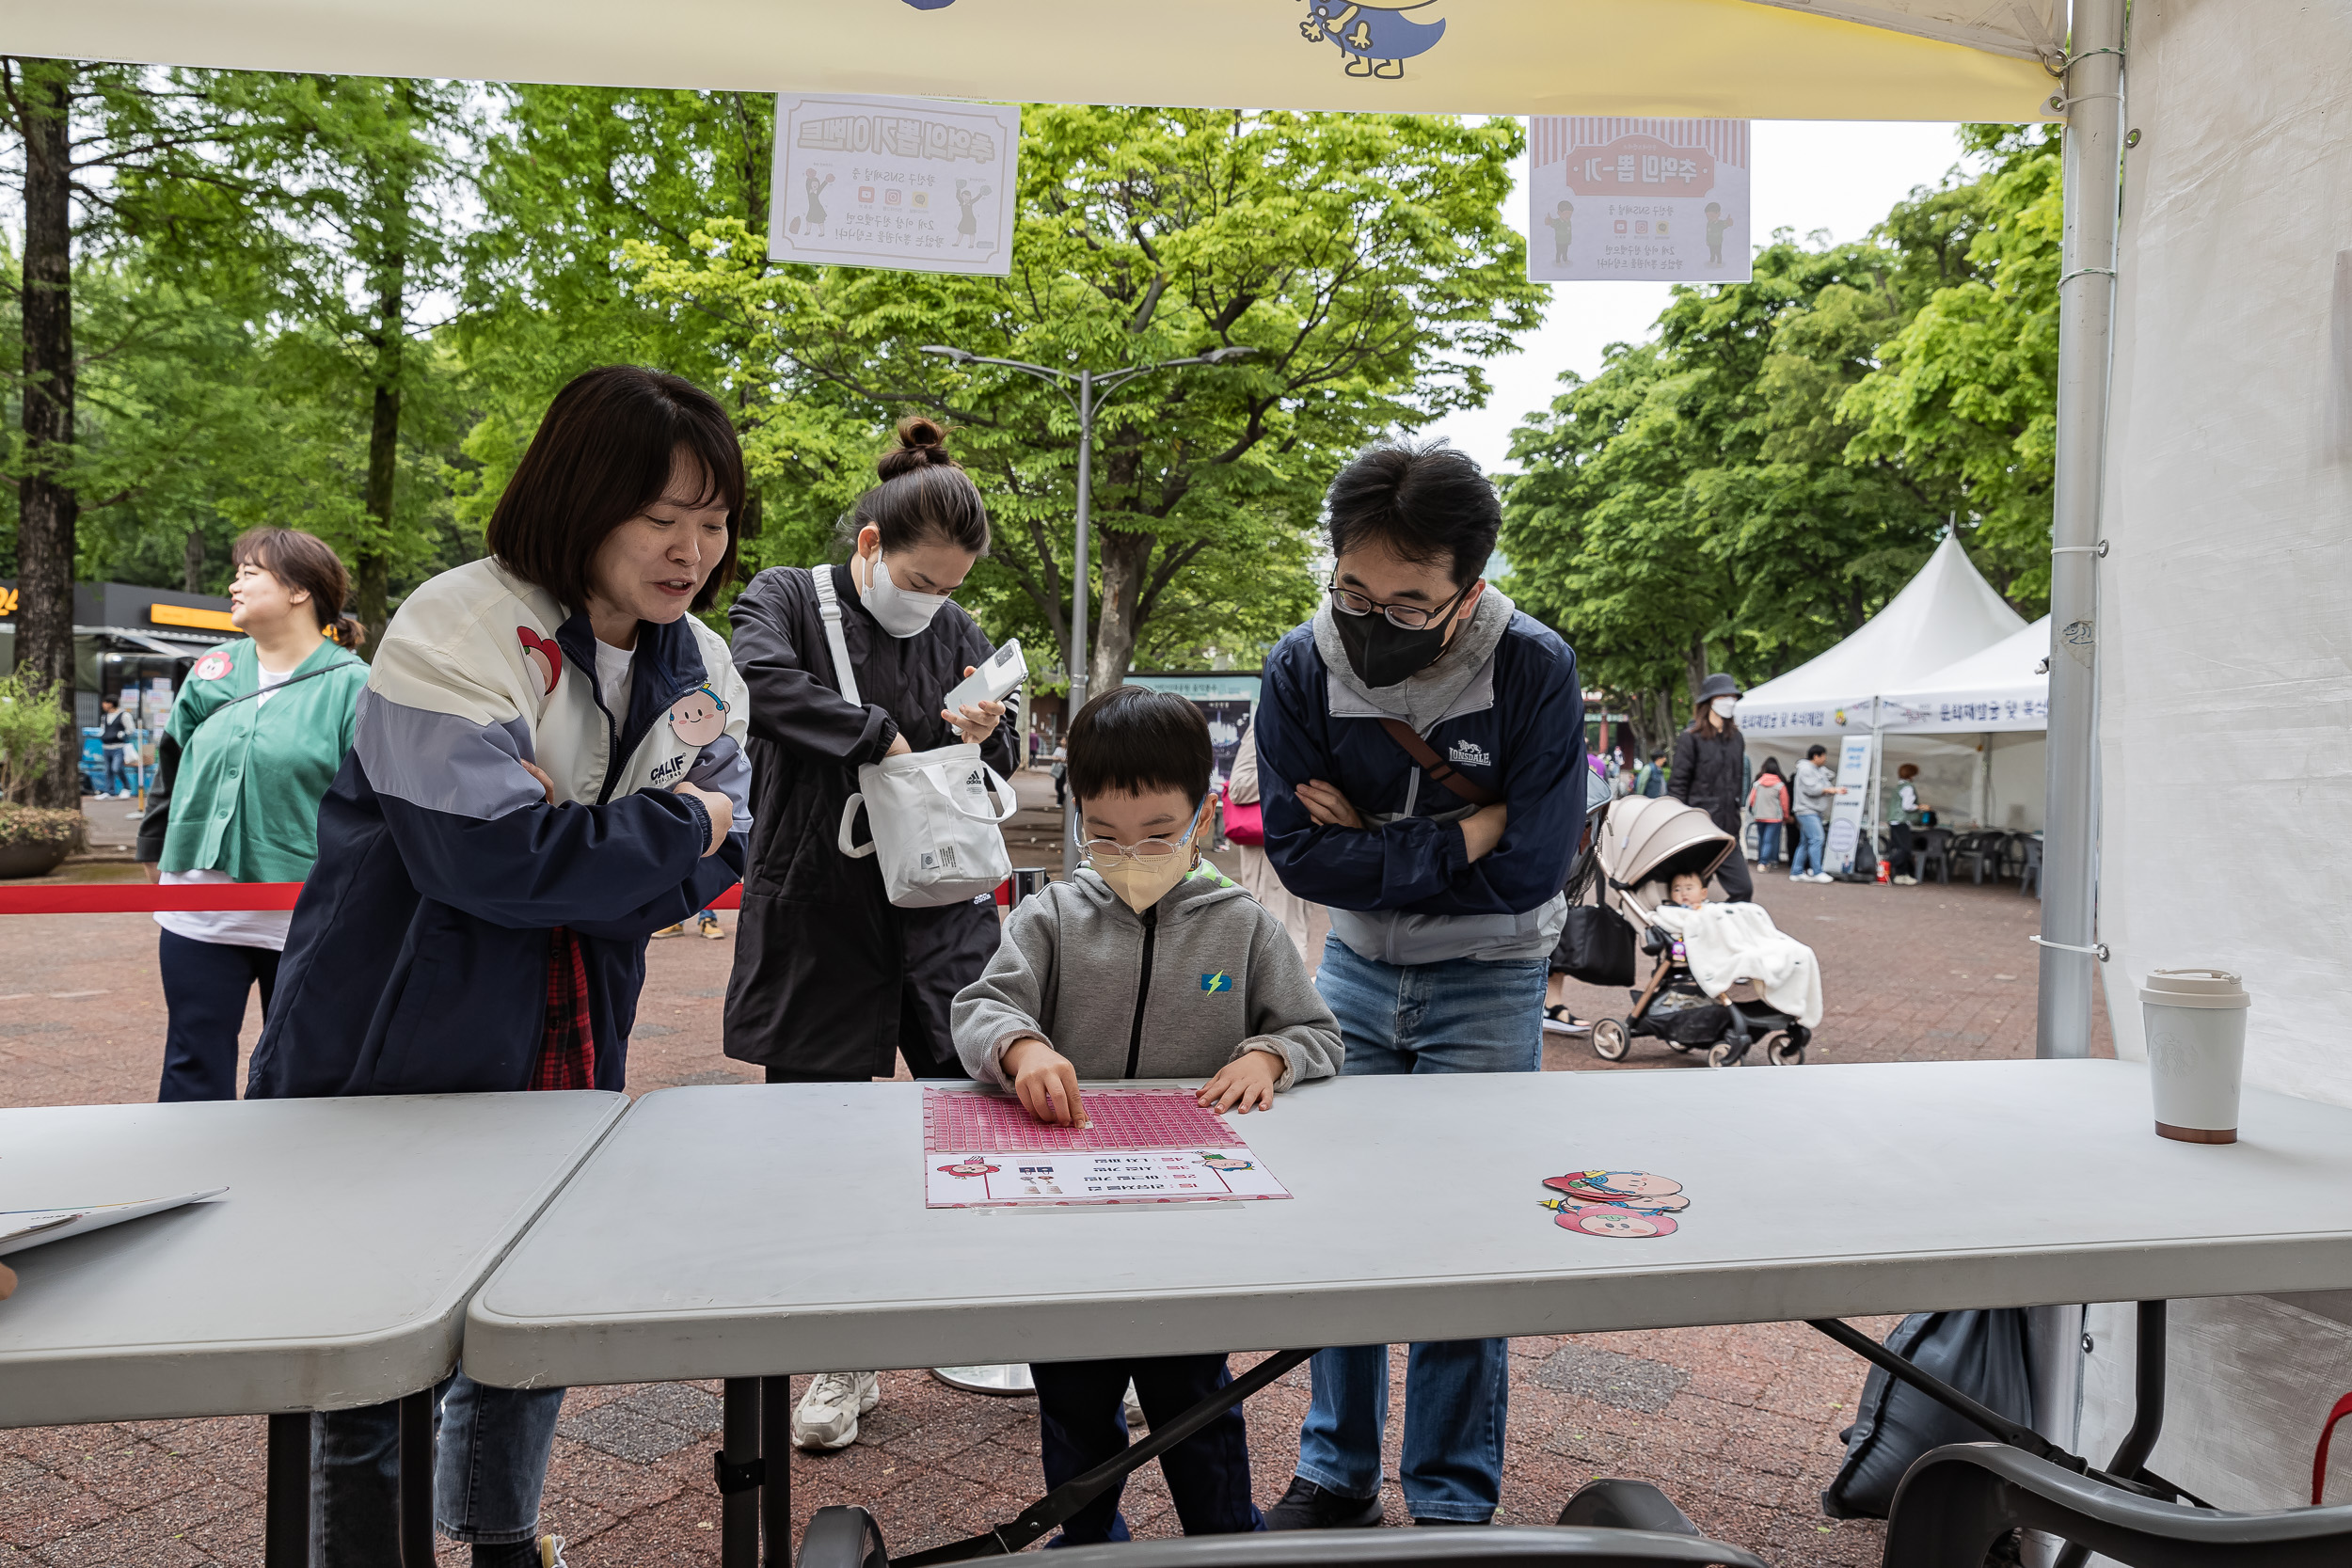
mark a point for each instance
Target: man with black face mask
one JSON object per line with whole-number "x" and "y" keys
{"x": 1421, "y": 764}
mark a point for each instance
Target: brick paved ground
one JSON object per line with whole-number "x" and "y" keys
{"x": 1738, "y": 1424}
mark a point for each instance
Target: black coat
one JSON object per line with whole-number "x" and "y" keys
{"x": 1711, "y": 773}
{"x": 827, "y": 971}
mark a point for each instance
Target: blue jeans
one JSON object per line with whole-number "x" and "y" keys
{"x": 1082, "y": 1421}
{"x": 205, "y": 986}
{"x": 1766, "y": 844}
{"x": 117, "y": 780}
{"x": 1810, "y": 837}
{"x": 490, "y": 1463}
{"x": 1459, "y": 1016}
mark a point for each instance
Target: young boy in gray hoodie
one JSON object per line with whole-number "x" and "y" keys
{"x": 1146, "y": 963}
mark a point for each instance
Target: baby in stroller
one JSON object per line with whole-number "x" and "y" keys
{"x": 1723, "y": 978}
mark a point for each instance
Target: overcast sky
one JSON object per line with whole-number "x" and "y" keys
{"x": 1840, "y": 176}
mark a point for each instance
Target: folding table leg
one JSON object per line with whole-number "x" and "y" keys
{"x": 2130, "y": 1456}
{"x": 416, "y": 1480}
{"x": 739, "y": 1472}
{"x": 286, "y": 1515}
{"x": 775, "y": 1434}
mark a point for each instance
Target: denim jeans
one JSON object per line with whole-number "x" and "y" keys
{"x": 205, "y": 986}
{"x": 490, "y": 1463}
{"x": 1766, "y": 844}
{"x": 1460, "y": 1016}
{"x": 1082, "y": 1421}
{"x": 117, "y": 780}
{"x": 1810, "y": 837}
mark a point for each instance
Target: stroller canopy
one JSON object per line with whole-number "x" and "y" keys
{"x": 1656, "y": 838}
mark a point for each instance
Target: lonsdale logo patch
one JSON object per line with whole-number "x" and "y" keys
{"x": 1464, "y": 754}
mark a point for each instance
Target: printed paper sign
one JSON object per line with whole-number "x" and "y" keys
{"x": 1144, "y": 1176}
{"x": 982, "y": 1150}
{"x": 1644, "y": 200}
{"x": 920, "y": 184}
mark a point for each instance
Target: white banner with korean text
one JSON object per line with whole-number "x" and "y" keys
{"x": 917, "y": 184}
{"x": 1644, "y": 201}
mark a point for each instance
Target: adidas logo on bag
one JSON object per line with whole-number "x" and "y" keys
{"x": 1464, "y": 754}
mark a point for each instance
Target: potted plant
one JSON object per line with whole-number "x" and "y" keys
{"x": 33, "y": 839}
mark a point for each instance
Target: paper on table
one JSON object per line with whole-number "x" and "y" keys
{"x": 26, "y": 1228}
{"x": 1146, "y": 1146}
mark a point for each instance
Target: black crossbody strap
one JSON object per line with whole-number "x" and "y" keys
{"x": 278, "y": 686}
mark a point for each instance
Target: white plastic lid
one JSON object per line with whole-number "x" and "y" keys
{"x": 2194, "y": 988}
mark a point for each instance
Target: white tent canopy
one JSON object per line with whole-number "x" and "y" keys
{"x": 1776, "y": 59}
{"x": 1943, "y": 615}
{"x": 2006, "y": 687}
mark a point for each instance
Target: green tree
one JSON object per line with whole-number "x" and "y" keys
{"x": 1363, "y": 257}
{"x": 1965, "y": 395}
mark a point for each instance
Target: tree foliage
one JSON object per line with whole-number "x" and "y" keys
{"x": 1745, "y": 489}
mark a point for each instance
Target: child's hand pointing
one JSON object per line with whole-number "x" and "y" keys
{"x": 1046, "y": 1083}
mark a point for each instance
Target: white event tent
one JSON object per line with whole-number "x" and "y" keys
{"x": 1944, "y": 615}
{"x": 1997, "y": 705}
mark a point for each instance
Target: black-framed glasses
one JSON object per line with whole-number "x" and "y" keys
{"x": 1404, "y": 617}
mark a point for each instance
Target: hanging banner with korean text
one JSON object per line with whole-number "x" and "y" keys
{"x": 1641, "y": 201}
{"x": 919, "y": 183}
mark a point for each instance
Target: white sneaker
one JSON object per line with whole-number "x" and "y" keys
{"x": 1135, "y": 1409}
{"x": 1820, "y": 876}
{"x": 827, "y": 1417}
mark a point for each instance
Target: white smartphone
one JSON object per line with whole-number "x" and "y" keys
{"x": 1006, "y": 669}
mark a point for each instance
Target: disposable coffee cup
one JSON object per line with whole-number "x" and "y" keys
{"x": 2196, "y": 1023}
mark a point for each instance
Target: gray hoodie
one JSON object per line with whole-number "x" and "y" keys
{"x": 1199, "y": 979}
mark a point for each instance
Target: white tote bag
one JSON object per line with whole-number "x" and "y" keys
{"x": 935, "y": 831}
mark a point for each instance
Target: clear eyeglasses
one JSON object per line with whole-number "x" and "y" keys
{"x": 1108, "y": 851}
{"x": 1404, "y": 617}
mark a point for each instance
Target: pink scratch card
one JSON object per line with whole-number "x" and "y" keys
{"x": 1146, "y": 1146}
{"x": 1608, "y": 1219}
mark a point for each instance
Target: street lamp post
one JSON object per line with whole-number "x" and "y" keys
{"x": 1092, "y": 388}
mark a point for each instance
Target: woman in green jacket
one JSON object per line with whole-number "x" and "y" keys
{"x": 257, "y": 734}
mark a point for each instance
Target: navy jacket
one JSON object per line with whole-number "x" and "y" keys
{"x": 1519, "y": 730}
{"x": 417, "y": 959}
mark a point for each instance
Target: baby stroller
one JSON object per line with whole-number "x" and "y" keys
{"x": 1643, "y": 844}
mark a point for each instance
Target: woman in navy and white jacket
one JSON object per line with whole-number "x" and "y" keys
{"x": 547, "y": 767}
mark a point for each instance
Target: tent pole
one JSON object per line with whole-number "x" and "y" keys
{"x": 2092, "y": 86}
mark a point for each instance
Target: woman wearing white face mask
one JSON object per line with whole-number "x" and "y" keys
{"x": 831, "y": 979}
{"x": 1711, "y": 773}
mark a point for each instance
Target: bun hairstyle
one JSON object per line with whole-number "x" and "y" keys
{"x": 304, "y": 562}
{"x": 925, "y": 496}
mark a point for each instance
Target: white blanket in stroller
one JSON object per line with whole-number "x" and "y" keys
{"x": 1729, "y": 942}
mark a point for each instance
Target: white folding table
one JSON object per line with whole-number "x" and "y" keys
{"x": 333, "y": 1272}
{"x": 759, "y": 1232}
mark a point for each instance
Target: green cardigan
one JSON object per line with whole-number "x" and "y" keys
{"x": 240, "y": 793}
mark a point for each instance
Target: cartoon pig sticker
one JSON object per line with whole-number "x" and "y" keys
{"x": 698, "y": 718}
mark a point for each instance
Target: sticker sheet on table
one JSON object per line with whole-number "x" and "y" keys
{"x": 1144, "y": 1146}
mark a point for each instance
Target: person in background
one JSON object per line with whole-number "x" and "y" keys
{"x": 255, "y": 740}
{"x": 114, "y": 744}
{"x": 547, "y": 767}
{"x": 1909, "y": 813}
{"x": 1711, "y": 773}
{"x": 1421, "y": 758}
{"x": 1307, "y": 922}
{"x": 1651, "y": 780}
{"x": 1768, "y": 803}
{"x": 832, "y": 983}
{"x": 706, "y": 924}
{"x": 1816, "y": 784}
